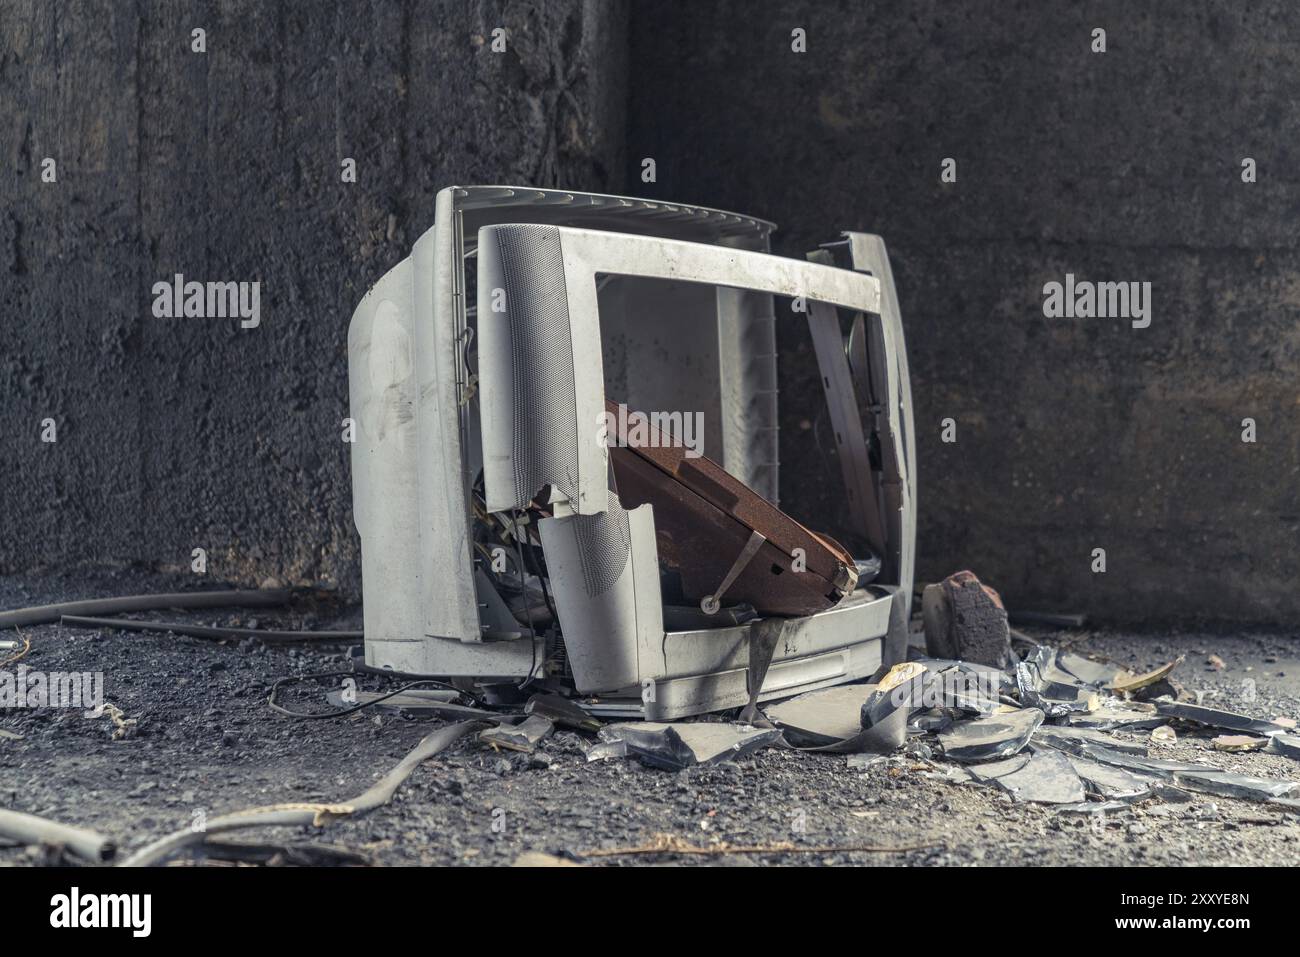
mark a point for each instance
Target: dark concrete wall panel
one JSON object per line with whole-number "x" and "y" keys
{"x": 225, "y": 166}
{"x": 1073, "y": 434}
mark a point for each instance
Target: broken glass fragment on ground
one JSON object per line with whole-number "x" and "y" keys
{"x": 1057, "y": 734}
{"x": 1288, "y": 744}
{"x": 992, "y": 737}
{"x": 1112, "y": 717}
{"x": 1096, "y": 674}
{"x": 992, "y": 770}
{"x": 561, "y": 711}
{"x": 1125, "y": 682}
{"x": 518, "y": 737}
{"x": 1046, "y": 778}
{"x": 1155, "y": 767}
{"x": 1230, "y": 784}
{"x": 685, "y": 744}
{"x": 853, "y": 718}
{"x": 1215, "y": 718}
{"x": 824, "y": 717}
{"x": 1111, "y": 783}
{"x": 1038, "y": 689}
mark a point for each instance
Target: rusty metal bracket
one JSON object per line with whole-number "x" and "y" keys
{"x": 710, "y": 604}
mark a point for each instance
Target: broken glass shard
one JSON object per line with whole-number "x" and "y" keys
{"x": 992, "y": 737}
{"x": 995, "y": 769}
{"x": 1229, "y": 784}
{"x": 1112, "y": 783}
{"x": 524, "y": 736}
{"x": 1063, "y": 736}
{"x": 1047, "y": 778}
{"x": 1288, "y": 744}
{"x": 685, "y": 744}
{"x": 823, "y": 717}
{"x": 1097, "y": 674}
{"x": 1214, "y": 718}
{"x": 561, "y": 711}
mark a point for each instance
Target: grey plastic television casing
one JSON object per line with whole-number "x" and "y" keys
{"x": 668, "y": 307}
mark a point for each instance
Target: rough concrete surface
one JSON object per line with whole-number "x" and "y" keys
{"x": 205, "y": 741}
{"x": 226, "y": 166}
{"x": 1072, "y": 434}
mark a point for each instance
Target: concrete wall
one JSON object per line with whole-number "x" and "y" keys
{"x": 183, "y": 433}
{"x": 1072, "y": 434}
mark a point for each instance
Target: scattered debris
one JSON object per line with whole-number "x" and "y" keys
{"x": 1216, "y": 663}
{"x": 1097, "y": 674}
{"x": 1214, "y": 718}
{"x": 1093, "y": 807}
{"x": 860, "y": 762}
{"x": 26, "y": 646}
{"x": 884, "y": 713}
{"x": 821, "y": 718}
{"x": 1166, "y": 687}
{"x": 1228, "y": 784}
{"x": 966, "y": 620}
{"x": 1127, "y": 683}
{"x": 1105, "y": 754}
{"x": 1112, "y": 717}
{"x": 1288, "y": 744}
{"x": 986, "y": 739}
{"x": 684, "y": 744}
{"x": 524, "y": 737}
{"x": 562, "y": 712}
{"x": 993, "y": 770}
{"x": 1059, "y": 736}
{"x": 415, "y": 702}
{"x": 1238, "y": 742}
{"x": 1110, "y": 783}
{"x": 1164, "y": 735}
{"x": 1046, "y": 778}
{"x": 1038, "y": 688}
{"x": 123, "y": 727}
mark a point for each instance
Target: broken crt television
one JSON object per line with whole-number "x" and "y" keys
{"x": 565, "y": 467}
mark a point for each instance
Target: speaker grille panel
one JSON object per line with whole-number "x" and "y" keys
{"x": 604, "y": 543}
{"x": 545, "y": 419}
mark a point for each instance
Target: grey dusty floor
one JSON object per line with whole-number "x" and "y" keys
{"x": 205, "y": 741}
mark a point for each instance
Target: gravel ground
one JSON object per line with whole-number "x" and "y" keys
{"x": 205, "y": 742}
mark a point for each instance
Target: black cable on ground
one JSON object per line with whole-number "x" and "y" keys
{"x": 49, "y": 614}
{"x": 208, "y": 631}
{"x": 447, "y": 709}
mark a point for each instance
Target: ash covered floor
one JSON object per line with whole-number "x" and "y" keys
{"x": 205, "y": 743}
